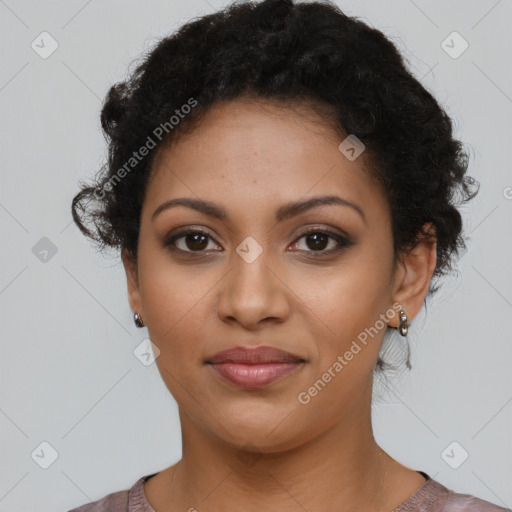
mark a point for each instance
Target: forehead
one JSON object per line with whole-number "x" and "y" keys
{"x": 250, "y": 155}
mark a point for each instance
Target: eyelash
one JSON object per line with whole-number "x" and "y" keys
{"x": 342, "y": 241}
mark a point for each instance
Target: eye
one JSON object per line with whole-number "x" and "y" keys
{"x": 191, "y": 240}
{"x": 317, "y": 240}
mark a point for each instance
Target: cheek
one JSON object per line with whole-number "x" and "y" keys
{"x": 347, "y": 298}
{"x": 168, "y": 301}
{"x": 344, "y": 309}
{"x": 167, "y": 290}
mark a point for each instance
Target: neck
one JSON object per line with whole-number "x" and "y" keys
{"x": 341, "y": 468}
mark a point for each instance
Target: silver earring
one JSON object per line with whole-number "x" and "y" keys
{"x": 404, "y": 325}
{"x": 138, "y": 320}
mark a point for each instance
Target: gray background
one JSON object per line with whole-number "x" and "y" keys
{"x": 68, "y": 373}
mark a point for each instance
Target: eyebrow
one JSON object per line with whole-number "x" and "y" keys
{"x": 284, "y": 212}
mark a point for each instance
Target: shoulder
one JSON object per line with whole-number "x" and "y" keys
{"x": 467, "y": 503}
{"x": 114, "y": 502}
{"x": 121, "y": 501}
{"x": 442, "y": 499}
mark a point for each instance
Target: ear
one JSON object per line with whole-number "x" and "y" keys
{"x": 414, "y": 273}
{"x": 132, "y": 281}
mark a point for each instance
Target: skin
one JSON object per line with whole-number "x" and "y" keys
{"x": 263, "y": 448}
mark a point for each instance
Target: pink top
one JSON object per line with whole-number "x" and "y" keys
{"x": 431, "y": 496}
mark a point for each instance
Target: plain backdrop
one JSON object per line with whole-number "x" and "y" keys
{"x": 74, "y": 397}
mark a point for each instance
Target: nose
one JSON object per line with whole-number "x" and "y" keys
{"x": 253, "y": 294}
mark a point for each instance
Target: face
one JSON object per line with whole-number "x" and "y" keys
{"x": 308, "y": 281}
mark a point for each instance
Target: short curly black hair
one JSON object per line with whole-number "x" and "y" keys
{"x": 307, "y": 53}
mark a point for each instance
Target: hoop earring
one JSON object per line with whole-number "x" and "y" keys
{"x": 138, "y": 320}
{"x": 404, "y": 325}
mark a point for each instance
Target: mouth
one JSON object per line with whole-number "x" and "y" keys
{"x": 257, "y": 355}
{"x": 254, "y": 367}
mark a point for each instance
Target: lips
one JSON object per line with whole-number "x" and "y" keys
{"x": 254, "y": 367}
{"x": 262, "y": 354}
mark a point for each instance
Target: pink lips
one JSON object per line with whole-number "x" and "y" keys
{"x": 254, "y": 367}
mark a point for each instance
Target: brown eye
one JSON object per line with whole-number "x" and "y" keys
{"x": 190, "y": 241}
{"x": 321, "y": 242}
{"x": 196, "y": 241}
{"x": 317, "y": 241}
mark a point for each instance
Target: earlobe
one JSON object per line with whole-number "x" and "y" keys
{"x": 415, "y": 272}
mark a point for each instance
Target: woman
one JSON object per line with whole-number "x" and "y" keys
{"x": 281, "y": 191}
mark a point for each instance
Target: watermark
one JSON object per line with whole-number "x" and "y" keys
{"x": 44, "y": 250}
{"x": 146, "y": 352}
{"x": 304, "y": 397}
{"x": 248, "y": 455}
{"x": 454, "y": 45}
{"x": 351, "y": 147}
{"x": 507, "y": 192}
{"x": 454, "y": 455}
{"x": 158, "y": 133}
{"x": 44, "y": 45}
{"x": 44, "y": 455}
{"x": 249, "y": 249}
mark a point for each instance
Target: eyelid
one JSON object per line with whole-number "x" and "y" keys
{"x": 321, "y": 227}
{"x": 342, "y": 240}
{"x": 181, "y": 232}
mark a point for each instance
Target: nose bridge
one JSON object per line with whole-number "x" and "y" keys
{"x": 252, "y": 291}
